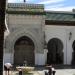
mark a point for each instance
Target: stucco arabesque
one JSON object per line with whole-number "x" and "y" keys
{"x": 11, "y": 39}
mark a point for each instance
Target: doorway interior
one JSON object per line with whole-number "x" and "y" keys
{"x": 24, "y": 51}
{"x": 55, "y": 51}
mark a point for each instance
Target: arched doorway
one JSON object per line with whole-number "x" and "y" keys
{"x": 55, "y": 51}
{"x": 24, "y": 51}
{"x": 73, "y": 53}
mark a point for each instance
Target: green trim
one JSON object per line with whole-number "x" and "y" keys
{"x": 26, "y": 12}
{"x": 60, "y": 23}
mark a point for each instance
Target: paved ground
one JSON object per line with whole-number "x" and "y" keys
{"x": 58, "y": 72}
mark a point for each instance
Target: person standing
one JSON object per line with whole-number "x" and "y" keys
{"x": 7, "y": 67}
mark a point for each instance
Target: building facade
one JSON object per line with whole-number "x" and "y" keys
{"x": 37, "y": 36}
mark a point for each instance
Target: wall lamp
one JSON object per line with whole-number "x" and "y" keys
{"x": 70, "y": 35}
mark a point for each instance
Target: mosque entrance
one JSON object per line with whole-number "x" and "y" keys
{"x": 55, "y": 51}
{"x": 24, "y": 51}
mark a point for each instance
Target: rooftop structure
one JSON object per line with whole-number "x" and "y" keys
{"x": 22, "y": 8}
{"x": 25, "y": 8}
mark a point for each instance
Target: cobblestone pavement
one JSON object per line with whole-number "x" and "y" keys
{"x": 58, "y": 72}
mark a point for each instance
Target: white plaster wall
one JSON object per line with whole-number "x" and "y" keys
{"x": 8, "y": 58}
{"x": 69, "y": 48}
{"x": 56, "y": 32}
{"x": 45, "y": 56}
{"x": 70, "y": 42}
{"x": 62, "y": 33}
{"x": 40, "y": 58}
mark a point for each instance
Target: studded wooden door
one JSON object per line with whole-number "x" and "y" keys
{"x": 24, "y": 51}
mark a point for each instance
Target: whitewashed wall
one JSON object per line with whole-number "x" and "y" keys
{"x": 62, "y": 33}
{"x": 40, "y": 59}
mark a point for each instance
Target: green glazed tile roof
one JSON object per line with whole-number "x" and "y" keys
{"x": 60, "y": 16}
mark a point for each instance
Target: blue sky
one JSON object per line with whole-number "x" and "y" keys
{"x": 55, "y": 5}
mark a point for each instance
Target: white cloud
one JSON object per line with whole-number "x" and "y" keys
{"x": 27, "y": 0}
{"x": 50, "y": 1}
{"x": 11, "y": 1}
{"x": 67, "y": 8}
{"x": 21, "y": 0}
{"x": 54, "y": 6}
{"x": 30, "y": 0}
